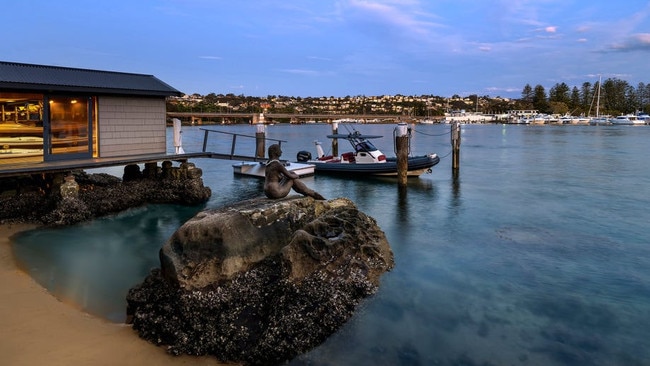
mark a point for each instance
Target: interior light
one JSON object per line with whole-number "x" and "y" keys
{"x": 73, "y": 101}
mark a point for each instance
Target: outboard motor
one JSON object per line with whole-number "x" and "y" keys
{"x": 303, "y": 156}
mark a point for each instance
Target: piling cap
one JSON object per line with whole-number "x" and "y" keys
{"x": 401, "y": 129}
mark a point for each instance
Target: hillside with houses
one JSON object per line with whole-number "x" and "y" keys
{"x": 616, "y": 97}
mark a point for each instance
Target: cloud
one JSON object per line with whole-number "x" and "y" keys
{"x": 496, "y": 89}
{"x": 318, "y": 58}
{"x": 211, "y": 57}
{"x": 403, "y": 17}
{"x": 300, "y": 71}
{"x": 636, "y": 42}
{"x": 548, "y": 32}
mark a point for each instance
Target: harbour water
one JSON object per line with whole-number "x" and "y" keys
{"x": 536, "y": 253}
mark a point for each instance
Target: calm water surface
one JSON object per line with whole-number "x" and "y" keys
{"x": 537, "y": 253}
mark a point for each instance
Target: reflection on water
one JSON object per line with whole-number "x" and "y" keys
{"x": 402, "y": 204}
{"x": 455, "y": 189}
{"x": 90, "y": 263}
{"x": 535, "y": 253}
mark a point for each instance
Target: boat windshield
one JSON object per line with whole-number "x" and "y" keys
{"x": 365, "y": 146}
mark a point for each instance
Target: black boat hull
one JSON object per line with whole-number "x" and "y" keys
{"x": 417, "y": 165}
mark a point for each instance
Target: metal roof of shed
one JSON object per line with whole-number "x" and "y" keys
{"x": 43, "y": 78}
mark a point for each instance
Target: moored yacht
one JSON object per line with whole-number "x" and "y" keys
{"x": 644, "y": 117}
{"x": 627, "y": 119}
{"x": 598, "y": 121}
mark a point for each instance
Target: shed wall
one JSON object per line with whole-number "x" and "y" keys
{"x": 131, "y": 126}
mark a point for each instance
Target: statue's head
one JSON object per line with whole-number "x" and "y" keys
{"x": 275, "y": 151}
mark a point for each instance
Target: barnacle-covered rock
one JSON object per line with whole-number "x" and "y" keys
{"x": 261, "y": 281}
{"x": 52, "y": 199}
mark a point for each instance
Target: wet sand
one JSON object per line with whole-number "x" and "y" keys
{"x": 38, "y": 329}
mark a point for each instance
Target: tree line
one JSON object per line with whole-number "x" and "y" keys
{"x": 611, "y": 97}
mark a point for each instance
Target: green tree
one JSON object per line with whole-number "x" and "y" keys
{"x": 586, "y": 96}
{"x": 632, "y": 99}
{"x": 574, "y": 101}
{"x": 527, "y": 94}
{"x": 643, "y": 91}
{"x": 616, "y": 96}
{"x": 539, "y": 100}
{"x": 558, "y": 107}
{"x": 559, "y": 93}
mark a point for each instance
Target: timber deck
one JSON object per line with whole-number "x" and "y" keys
{"x": 36, "y": 165}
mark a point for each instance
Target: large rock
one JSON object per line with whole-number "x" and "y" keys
{"x": 262, "y": 281}
{"x": 52, "y": 199}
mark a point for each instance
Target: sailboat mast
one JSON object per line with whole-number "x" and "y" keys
{"x": 598, "y": 98}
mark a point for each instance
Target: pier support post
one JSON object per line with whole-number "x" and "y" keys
{"x": 402, "y": 151}
{"x": 335, "y": 142}
{"x": 455, "y": 145}
{"x": 260, "y": 137}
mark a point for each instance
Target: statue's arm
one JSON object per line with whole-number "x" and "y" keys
{"x": 287, "y": 173}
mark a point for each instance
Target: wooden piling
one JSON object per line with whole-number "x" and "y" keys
{"x": 260, "y": 137}
{"x": 335, "y": 142}
{"x": 402, "y": 151}
{"x": 455, "y": 145}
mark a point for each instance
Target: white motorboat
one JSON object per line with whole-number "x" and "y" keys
{"x": 258, "y": 169}
{"x": 621, "y": 120}
{"x": 628, "y": 119}
{"x": 644, "y": 117}
{"x": 599, "y": 121}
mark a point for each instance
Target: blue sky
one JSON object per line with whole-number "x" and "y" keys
{"x": 339, "y": 48}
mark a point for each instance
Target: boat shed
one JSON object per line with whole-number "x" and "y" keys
{"x": 53, "y": 115}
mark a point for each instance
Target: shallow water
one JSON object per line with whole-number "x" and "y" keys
{"x": 537, "y": 253}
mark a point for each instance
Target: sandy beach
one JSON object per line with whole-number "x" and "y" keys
{"x": 38, "y": 329}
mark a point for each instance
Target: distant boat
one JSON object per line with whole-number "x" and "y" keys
{"x": 427, "y": 120}
{"x": 621, "y": 120}
{"x": 551, "y": 120}
{"x": 539, "y": 119}
{"x": 566, "y": 119}
{"x": 520, "y": 121}
{"x": 628, "y": 119}
{"x": 644, "y": 117}
{"x": 581, "y": 121}
{"x": 598, "y": 120}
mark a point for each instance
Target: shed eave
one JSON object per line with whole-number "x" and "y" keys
{"x": 42, "y": 88}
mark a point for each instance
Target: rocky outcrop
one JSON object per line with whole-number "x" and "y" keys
{"x": 55, "y": 199}
{"x": 262, "y": 281}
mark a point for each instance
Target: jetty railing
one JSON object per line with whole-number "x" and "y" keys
{"x": 232, "y": 155}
